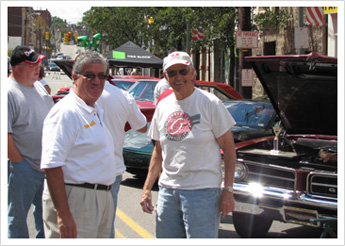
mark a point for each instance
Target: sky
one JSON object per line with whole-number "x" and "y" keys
{"x": 72, "y": 14}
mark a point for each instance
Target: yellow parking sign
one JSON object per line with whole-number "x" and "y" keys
{"x": 330, "y": 10}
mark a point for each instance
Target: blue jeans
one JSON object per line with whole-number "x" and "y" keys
{"x": 187, "y": 213}
{"x": 24, "y": 188}
{"x": 114, "y": 192}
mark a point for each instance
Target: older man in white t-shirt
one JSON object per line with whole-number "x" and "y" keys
{"x": 190, "y": 127}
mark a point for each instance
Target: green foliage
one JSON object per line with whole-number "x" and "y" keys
{"x": 167, "y": 32}
{"x": 272, "y": 19}
{"x": 57, "y": 22}
{"x": 217, "y": 23}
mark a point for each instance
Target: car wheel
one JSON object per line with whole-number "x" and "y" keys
{"x": 251, "y": 226}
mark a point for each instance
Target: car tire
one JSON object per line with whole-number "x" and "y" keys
{"x": 251, "y": 226}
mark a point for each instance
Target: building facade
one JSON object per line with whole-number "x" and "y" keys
{"x": 23, "y": 28}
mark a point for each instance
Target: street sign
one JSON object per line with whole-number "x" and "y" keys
{"x": 246, "y": 39}
{"x": 302, "y": 38}
{"x": 247, "y": 77}
{"x": 330, "y": 10}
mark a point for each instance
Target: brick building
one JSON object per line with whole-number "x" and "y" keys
{"x": 21, "y": 26}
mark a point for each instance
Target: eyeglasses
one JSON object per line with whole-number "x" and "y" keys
{"x": 183, "y": 72}
{"x": 101, "y": 76}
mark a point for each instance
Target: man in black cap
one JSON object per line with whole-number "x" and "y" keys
{"x": 28, "y": 105}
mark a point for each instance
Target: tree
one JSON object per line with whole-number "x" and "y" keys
{"x": 164, "y": 29}
{"x": 117, "y": 25}
{"x": 218, "y": 23}
{"x": 57, "y": 22}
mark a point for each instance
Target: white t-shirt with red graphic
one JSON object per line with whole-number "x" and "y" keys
{"x": 188, "y": 130}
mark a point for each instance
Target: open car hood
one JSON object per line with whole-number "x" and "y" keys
{"x": 66, "y": 66}
{"x": 302, "y": 89}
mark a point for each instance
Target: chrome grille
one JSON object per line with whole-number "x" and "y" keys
{"x": 271, "y": 175}
{"x": 323, "y": 184}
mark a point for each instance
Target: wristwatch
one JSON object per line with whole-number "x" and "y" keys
{"x": 229, "y": 188}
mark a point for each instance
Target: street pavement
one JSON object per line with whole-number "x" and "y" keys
{"x": 57, "y": 80}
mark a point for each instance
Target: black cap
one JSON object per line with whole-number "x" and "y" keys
{"x": 25, "y": 54}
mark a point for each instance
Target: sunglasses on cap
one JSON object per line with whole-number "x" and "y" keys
{"x": 173, "y": 73}
{"x": 92, "y": 75}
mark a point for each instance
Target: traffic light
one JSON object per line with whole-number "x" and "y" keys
{"x": 47, "y": 35}
{"x": 69, "y": 36}
{"x": 65, "y": 39}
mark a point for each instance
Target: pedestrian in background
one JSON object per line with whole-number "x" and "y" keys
{"x": 43, "y": 82}
{"x": 28, "y": 105}
{"x": 135, "y": 71}
{"x": 78, "y": 157}
{"x": 190, "y": 126}
{"x": 161, "y": 86}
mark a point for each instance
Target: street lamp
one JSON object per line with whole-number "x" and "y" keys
{"x": 26, "y": 25}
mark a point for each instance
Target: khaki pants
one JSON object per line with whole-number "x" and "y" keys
{"x": 92, "y": 211}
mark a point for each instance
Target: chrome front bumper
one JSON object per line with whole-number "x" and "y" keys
{"x": 283, "y": 205}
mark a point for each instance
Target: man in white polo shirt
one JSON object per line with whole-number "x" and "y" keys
{"x": 78, "y": 158}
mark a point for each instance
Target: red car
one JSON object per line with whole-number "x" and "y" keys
{"x": 143, "y": 89}
{"x": 143, "y": 92}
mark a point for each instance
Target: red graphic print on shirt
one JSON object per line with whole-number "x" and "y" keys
{"x": 177, "y": 126}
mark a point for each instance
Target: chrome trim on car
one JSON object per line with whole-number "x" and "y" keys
{"x": 275, "y": 199}
{"x": 268, "y": 168}
{"x": 317, "y": 188}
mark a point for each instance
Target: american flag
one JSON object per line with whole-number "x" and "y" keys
{"x": 197, "y": 34}
{"x": 314, "y": 16}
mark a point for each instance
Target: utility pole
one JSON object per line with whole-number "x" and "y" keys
{"x": 244, "y": 25}
{"x": 188, "y": 37}
{"x": 300, "y": 24}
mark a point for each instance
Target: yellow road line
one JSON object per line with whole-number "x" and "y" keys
{"x": 119, "y": 234}
{"x": 137, "y": 228}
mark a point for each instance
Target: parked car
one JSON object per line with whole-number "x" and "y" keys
{"x": 292, "y": 177}
{"x": 143, "y": 92}
{"x": 143, "y": 89}
{"x": 53, "y": 67}
{"x": 122, "y": 81}
{"x": 254, "y": 118}
{"x": 124, "y": 84}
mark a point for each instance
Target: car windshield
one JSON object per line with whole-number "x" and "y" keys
{"x": 250, "y": 113}
{"x": 143, "y": 90}
{"x": 123, "y": 84}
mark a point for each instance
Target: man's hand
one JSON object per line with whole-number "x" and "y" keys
{"x": 226, "y": 203}
{"x": 67, "y": 226}
{"x": 146, "y": 202}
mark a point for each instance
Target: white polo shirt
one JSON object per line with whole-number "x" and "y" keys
{"x": 75, "y": 138}
{"x": 119, "y": 107}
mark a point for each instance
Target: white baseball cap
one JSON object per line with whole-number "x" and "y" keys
{"x": 177, "y": 57}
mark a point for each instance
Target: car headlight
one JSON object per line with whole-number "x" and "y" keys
{"x": 241, "y": 171}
